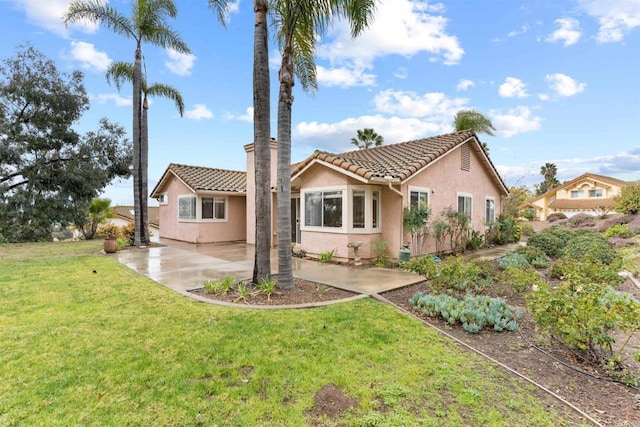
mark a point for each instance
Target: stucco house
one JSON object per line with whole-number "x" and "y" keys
{"x": 589, "y": 193}
{"x": 338, "y": 199}
{"x": 125, "y": 215}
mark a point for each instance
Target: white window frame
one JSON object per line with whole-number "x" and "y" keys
{"x": 195, "y": 209}
{"x": 347, "y": 209}
{"x": 163, "y": 199}
{"x": 596, "y": 196}
{"x": 215, "y": 199}
{"x": 419, "y": 190}
{"x": 579, "y": 194}
{"x": 489, "y": 199}
{"x": 466, "y": 196}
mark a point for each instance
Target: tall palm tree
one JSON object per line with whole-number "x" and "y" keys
{"x": 548, "y": 171}
{"x": 148, "y": 24}
{"x": 120, "y": 72}
{"x": 475, "y": 121}
{"x": 299, "y": 25}
{"x": 262, "y": 140}
{"x": 367, "y": 138}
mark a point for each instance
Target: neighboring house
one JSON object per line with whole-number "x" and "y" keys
{"x": 589, "y": 193}
{"x": 125, "y": 215}
{"x": 356, "y": 196}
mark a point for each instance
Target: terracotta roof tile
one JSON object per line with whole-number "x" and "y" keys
{"x": 396, "y": 161}
{"x": 586, "y": 203}
{"x": 126, "y": 212}
{"x": 210, "y": 179}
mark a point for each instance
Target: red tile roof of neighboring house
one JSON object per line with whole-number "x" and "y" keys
{"x": 582, "y": 204}
{"x": 126, "y": 213}
{"x": 200, "y": 178}
{"x": 398, "y": 161}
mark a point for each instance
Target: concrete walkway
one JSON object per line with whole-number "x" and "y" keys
{"x": 185, "y": 266}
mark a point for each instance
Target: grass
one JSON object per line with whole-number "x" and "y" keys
{"x": 113, "y": 348}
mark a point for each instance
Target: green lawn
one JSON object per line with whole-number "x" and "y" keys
{"x": 114, "y": 348}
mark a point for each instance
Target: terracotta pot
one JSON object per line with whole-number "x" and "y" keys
{"x": 110, "y": 246}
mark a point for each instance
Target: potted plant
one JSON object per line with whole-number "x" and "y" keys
{"x": 110, "y": 232}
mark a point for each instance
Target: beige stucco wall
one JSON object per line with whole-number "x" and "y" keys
{"x": 234, "y": 229}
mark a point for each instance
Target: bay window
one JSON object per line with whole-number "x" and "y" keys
{"x": 323, "y": 209}
{"x": 341, "y": 209}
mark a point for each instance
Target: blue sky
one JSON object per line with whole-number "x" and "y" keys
{"x": 559, "y": 79}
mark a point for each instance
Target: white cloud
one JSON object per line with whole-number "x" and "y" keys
{"x": 401, "y": 73}
{"x": 179, "y": 63}
{"x": 569, "y": 32}
{"x": 464, "y": 84}
{"x": 523, "y": 29}
{"x": 401, "y": 27}
{"x": 247, "y": 117}
{"x": 120, "y": 101}
{"x": 515, "y": 121}
{"x": 48, "y": 15}
{"x": 513, "y": 88}
{"x": 543, "y": 97}
{"x": 336, "y": 137}
{"x": 199, "y": 112}
{"x": 435, "y": 106}
{"x": 89, "y": 57}
{"x": 624, "y": 162}
{"x": 616, "y": 17}
{"x": 564, "y": 85}
{"x": 344, "y": 77}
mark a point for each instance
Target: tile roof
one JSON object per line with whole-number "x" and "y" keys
{"x": 200, "y": 178}
{"x": 396, "y": 161}
{"x": 582, "y": 204}
{"x": 126, "y": 212}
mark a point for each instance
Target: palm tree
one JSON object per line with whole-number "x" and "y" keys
{"x": 124, "y": 71}
{"x": 548, "y": 171}
{"x": 367, "y": 138}
{"x": 475, "y": 121}
{"x": 147, "y": 23}
{"x": 299, "y": 25}
{"x": 262, "y": 141}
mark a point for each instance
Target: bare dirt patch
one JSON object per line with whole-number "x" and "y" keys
{"x": 330, "y": 402}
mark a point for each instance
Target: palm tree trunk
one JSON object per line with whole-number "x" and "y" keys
{"x": 144, "y": 173}
{"x": 137, "y": 74}
{"x": 262, "y": 141}
{"x": 285, "y": 99}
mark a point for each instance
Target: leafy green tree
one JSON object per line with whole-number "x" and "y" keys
{"x": 48, "y": 172}
{"x": 511, "y": 204}
{"x": 299, "y": 25}
{"x": 415, "y": 220}
{"x": 147, "y": 24}
{"x": 628, "y": 201}
{"x": 475, "y": 121}
{"x": 98, "y": 211}
{"x": 367, "y": 138}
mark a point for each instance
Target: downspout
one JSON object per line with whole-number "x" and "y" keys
{"x": 399, "y": 193}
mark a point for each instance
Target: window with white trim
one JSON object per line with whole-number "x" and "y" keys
{"x": 418, "y": 196}
{"x": 465, "y": 204}
{"x": 323, "y": 209}
{"x": 187, "y": 207}
{"x": 358, "y": 205}
{"x": 490, "y": 209}
{"x": 596, "y": 193}
{"x": 375, "y": 209}
{"x": 214, "y": 208}
{"x": 577, "y": 194}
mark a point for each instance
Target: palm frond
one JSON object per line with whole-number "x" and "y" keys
{"x": 119, "y": 72}
{"x": 103, "y": 14}
{"x": 221, "y": 8}
{"x": 169, "y": 92}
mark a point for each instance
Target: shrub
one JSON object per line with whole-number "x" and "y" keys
{"x": 326, "y": 256}
{"x": 474, "y": 312}
{"x": 634, "y": 224}
{"x": 581, "y": 316}
{"x": 562, "y": 233}
{"x": 128, "y": 233}
{"x": 590, "y": 247}
{"x": 425, "y": 266}
{"x": 610, "y": 222}
{"x": 550, "y": 244}
{"x": 520, "y": 279}
{"x": 526, "y": 228}
{"x": 619, "y": 230}
{"x": 620, "y": 242}
{"x": 535, "y": 256}
{"x": 219, "y": 287}
{"x": 513, "y": 259}
{"x": 556, "y": 216}
{"x": 109, "y": 231}
{"x": 476, "y": 241}
{"x": 379, "y": 249}
{"x": 577, "y": 272}
{"x": 455, "y": 273}
{"x": 582, "y": 220}
{"x": 628, "y": 201}
{"x": 529, "y": 213}
{"x": 268, "y": 286}
{"x": 502, "y": 231}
